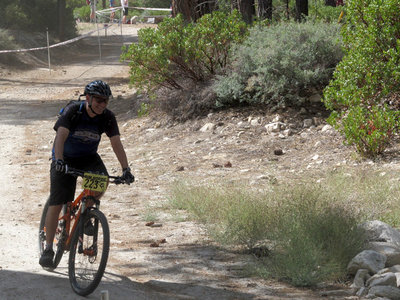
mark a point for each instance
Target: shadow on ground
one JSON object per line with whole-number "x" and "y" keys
{"x": 29, "y": 286}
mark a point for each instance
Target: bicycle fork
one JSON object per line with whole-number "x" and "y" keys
{"x": 90, "y": 251}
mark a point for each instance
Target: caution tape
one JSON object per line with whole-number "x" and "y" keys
{"x": 54, "y": 45}
{"x": 132, "y": 7}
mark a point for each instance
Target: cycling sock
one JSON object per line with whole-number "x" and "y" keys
{"x": 49, "y": 246}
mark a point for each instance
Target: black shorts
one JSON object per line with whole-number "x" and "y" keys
{"x": 125, "y": 11}
{"x": 63, "y": 186}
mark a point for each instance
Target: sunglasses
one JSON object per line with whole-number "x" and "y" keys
{"x": 100, "y": 100}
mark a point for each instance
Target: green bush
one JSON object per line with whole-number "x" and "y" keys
{"x": 319, "y": 11}
{"x": 368, "y": 76}
{"x": 233, "y": 216}
{"x": 82, "y": 13}
{"x": 310, "y": 235}
{"x": 281, "y": 64}
{"x": 316, "y": 239}
{"x": 175, "y": 50}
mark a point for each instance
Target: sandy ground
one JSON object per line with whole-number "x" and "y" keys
{"x": 188, "y": 265}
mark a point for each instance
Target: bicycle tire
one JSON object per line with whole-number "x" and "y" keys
{"x": 84, "y": 281}
{"x": 60, "y": 234}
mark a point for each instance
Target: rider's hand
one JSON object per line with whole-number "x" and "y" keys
{"x": 60, "y": 166}
{"x": 127, "y": 175}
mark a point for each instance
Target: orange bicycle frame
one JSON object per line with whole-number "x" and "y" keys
{"x": 68, "y": 216}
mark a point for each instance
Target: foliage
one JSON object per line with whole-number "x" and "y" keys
{"x": 368, "y": 76}
{"x": 174, "y": 50}
{"x": 144, "y": 109}
{"x": 6, "y": 40}
{"x": 280, "y": 64}
{"x": 369, "y": 129}
{"x": 311, "y": 235}
{"x": 31, "y": 16}
{"x": 316, "y": 238}
{"x": 82, "y": 13}
{"x": 319, "y": 11}
{"x": 153, "y": 3}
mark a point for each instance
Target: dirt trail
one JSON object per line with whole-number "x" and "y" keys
{"x": 187, "y": 266}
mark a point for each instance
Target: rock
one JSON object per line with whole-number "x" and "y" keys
{"x": 208, "y": 127}
{"x": 254, "y": 121}
{"x": 307, "y": 123}
{"x": 391, "y": 252}
{"x": 275, "y": 127}
{"x": 361, "y": 278}
{"x": 278, "y": 152}
{"x": 316, "y": 98}
{"x": 277, "y": 118}
{"x": 384, "y": 291}
{"x": 367, "y": 259}
{"x": 228, "y": 164}
{"x": 386, "y": 279}
{"x": 379, "y": 231}
{"x": 288, "y": 132}
{"x": 326, "y": 128}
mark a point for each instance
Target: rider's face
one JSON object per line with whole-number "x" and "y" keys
{"x": 99, "y": 104}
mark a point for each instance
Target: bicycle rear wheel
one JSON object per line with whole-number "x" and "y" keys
{"x": 59, "y": 238}
{"x": 88, "y": 254}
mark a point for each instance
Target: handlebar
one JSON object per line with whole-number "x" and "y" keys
{"x": 80, "y": 173}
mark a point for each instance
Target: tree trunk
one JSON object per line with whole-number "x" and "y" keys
{"x": 61, "y": 19}
{"x": 330, "y": 3}
{"x": 192, "y": 10}
{"x": 301, "y": 9}
{"x": 246, "y": 8}
{"x": 264, "y": 10}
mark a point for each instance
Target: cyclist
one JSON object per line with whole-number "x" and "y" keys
{"x": 78, "y": 134}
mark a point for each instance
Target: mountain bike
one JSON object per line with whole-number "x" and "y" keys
{"x": 83, "y": 231}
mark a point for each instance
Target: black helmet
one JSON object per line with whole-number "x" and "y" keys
{"x": 98, "y": 88}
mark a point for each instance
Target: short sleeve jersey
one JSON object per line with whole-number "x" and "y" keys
{"x": 85, "y": 132}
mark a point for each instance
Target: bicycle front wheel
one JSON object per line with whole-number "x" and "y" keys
{"x": 89, "y": 253}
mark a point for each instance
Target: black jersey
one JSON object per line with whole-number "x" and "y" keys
{"x": 85, "y": 134}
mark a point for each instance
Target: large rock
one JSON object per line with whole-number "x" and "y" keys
{"x": 386, "y": 279}
{"x": 389, "y": 292}
{"x": 391, "y": 251}
{"x": 367, "y": 259}
{"x": 378, "y": 231}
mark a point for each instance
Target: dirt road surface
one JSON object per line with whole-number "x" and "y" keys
{"x": 187, "y": 265}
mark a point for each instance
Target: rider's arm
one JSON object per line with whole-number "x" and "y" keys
{"x": 119, "y": 151}
{"x": 61, "y": 136}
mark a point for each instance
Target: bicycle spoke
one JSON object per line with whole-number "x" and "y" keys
{"x": 89, "y": 255}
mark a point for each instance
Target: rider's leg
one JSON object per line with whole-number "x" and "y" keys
{"x": 51, "y": 223}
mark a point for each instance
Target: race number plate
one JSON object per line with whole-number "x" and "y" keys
{"x": 95, "y": 182}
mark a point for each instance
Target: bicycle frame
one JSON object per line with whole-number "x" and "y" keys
{"x": 74, "y": 211}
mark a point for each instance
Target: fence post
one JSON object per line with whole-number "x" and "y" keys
{"x": 98, "y": 37}
{"x": 48, "y": 48}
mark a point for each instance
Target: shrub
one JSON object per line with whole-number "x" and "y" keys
{"x": 175, "y": 50}
{"x": 311, "y": 236}
{"x": 320, "y": 11}
{"x": 281, "y": 64}
{"x": 368, "y": 76}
